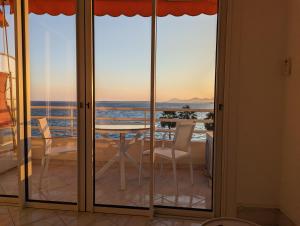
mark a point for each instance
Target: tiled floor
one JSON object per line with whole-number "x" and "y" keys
{"x": 9, "y": 182}
{"x": 59, "y": 184}
{"x": 15, "y": 216}
{"x": 193, "y": 196}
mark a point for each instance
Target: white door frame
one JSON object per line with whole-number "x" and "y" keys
{"x": 224, "y": 200}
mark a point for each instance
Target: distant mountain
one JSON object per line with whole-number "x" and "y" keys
{"x": 192, "y": 100}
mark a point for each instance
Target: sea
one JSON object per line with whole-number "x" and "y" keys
{"x": 42, "y": 112}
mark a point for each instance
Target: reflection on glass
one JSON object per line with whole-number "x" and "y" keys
{"x": 185, "y": 94}
{"x": 53, "y": 108}
{"x": 122, "y": 93}
{"x": 8, "y": 129}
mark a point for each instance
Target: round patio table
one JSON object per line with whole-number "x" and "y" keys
{"x": 122, "y": 154}
{"x": 226, "y": 221}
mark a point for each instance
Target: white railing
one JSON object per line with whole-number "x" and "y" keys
{"x": 107, "y": 120}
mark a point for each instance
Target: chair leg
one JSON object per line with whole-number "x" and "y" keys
{"x": 161, "y": 163}
{"x": 140, "y": 167}
{"x": 141, "y": 161}
{"x": 175, "y": 175}
{"x": 191, "y": 170}
{"x": 43, "y": 167}
{"x": 47, "y": 165}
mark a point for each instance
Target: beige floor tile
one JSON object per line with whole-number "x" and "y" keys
{"x": 78, "y": 219}
{"x": 142, "y": 221}
{"x": 60, "y": 184}
{"x": 6, "y": 220}
{"x": 14, "y": 216}
{"x": 167, "y": 222}
{"x": 49, "y": 221}
{"x": 4, "y": 210}
{"x": 9, "y": 182}
{"x": 112, "y": 220}
{"x": 28, "y": 215}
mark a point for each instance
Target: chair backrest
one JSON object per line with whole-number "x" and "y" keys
{"x": 183, "y": 134}
{"x": 45, "y": 132}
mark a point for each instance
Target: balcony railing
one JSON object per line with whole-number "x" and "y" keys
{"x": 70, "y": 117}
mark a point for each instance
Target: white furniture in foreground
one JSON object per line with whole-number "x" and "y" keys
{"x": 209, "y": 149}
{"x": 122, "y": 154}
{"x": 8, "y": 156}
{"x": 224, "y": 221}
{"x": 49, "y": 149}
{"x": 180, "y": 149}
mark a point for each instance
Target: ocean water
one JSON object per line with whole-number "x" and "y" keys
{"x": 111, "y": 113}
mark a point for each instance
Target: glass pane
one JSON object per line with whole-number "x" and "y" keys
{"x": 186, "y": 47}
{"x": 53, "y": 97}
{"x": 122, "y": 94}
{"x": 8, "y": 129}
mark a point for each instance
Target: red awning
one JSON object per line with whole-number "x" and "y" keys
{"x": 5, "y": 117}
{"x": 126, "y": 7}
{"x": 3, "y": 21}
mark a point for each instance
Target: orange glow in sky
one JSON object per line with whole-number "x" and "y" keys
{"x": 185, "y": 57}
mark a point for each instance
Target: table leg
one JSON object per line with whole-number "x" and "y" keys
{"x": 122, "y": 161}
{"x": 132, "y": 160}
{"x": 100, "y": 172}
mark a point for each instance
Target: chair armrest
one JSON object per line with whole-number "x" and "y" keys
{"x": 56, "y": 138}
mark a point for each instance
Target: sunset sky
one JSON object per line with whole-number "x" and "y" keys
{"x": 185, "y": 57}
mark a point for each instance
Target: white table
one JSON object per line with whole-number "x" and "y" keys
{"x": 123, "y": 148}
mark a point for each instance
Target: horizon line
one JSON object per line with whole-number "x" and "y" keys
{"x": 160, "y": 101}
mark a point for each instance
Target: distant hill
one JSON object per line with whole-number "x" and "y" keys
{"x": 192, "y": 100}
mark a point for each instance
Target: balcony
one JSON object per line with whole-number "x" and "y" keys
{"x": 60, "y": 181}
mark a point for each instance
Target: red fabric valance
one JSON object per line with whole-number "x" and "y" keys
{"x": 3, "y": 21}
{"x": 126, "y": 7}
{"x": 5, "y": 117}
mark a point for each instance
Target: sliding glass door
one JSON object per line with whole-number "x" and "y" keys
{"x": 186, "y": 55}
{"x": 120, "y": 105}
{"x": 8, "y": 106}
{"x": 182, "y": 72}
{"x": 51, "y": 106}
{"x": 122, "y": 54}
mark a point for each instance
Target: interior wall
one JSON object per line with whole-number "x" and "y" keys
{"x": 290, "y": 182}
{"x": 257, "y": 54}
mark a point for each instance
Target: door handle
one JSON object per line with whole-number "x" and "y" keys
{"x": 80, "y": 105}
{"x": 221, "y": 107}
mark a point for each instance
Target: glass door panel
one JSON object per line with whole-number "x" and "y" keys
{"x": 122, "y": 104}
{"x": 8, "y": 104}
{"x": 52, "y": 172}
{"x": 186, "y": 47}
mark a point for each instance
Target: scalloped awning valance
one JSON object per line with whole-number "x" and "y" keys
{"x": 126, "y": 7}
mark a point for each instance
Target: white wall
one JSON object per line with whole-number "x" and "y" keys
{"x": 258, "y": 52}
{"x": 265, "y": 104}
{"x": 290, "y": 183}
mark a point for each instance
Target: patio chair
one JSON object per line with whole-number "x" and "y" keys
{"x": 49, "y": 149}
{"x": 180, "y": 149}
{"x": 8, "y": 155}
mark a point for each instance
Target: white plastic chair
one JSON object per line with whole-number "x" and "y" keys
{"x": 8, "y": 155}
{"x": 226, "y": 221}
{"x": 180, "y": 149}
{"x": 6, "y": 146}
{"x": 49, "y": 149}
